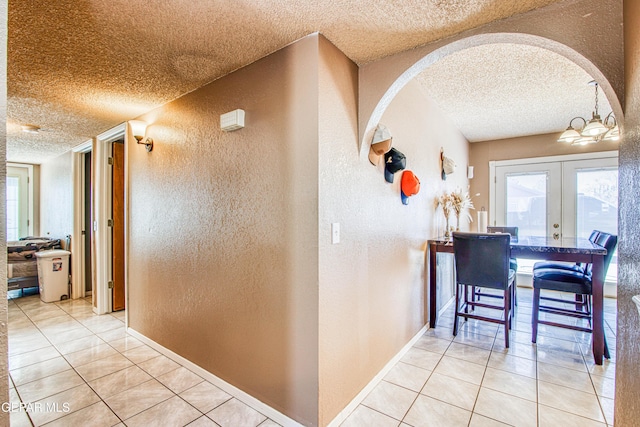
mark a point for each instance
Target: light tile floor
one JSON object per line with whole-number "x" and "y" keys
{"x": 73, "y": 368}
{"x": 69, "y": 367}
{"x": 473, "y": 380}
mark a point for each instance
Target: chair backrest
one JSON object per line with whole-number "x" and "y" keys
{"x": 511, "y": 230}
{"x": 594, "y": 236}
{"x": 609, "y": 242}
{"x": 482, "y": 259}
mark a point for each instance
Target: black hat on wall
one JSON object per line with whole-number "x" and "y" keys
{"x": 394, "y": 161}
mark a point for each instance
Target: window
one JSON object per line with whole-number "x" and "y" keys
{"x": 19, "y": 206}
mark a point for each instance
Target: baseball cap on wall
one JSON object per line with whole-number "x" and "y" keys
{"x": 448, "y": 166}
{"x": 394, "y": 161}
{"x": 380, "y": 144}
{"x": 409, "y": 186}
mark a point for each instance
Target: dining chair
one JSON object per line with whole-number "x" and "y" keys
{"x": 482, "y": 260}
{"x": 569, "y": 281}
{"x": 580, "y": 267}
{"x": 513, "y": 264}
{"x": 572, "y": 266}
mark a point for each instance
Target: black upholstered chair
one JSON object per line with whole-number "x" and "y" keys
{"x": 482, "y": 260}
{"x": 572, "y": 266}
{"x": 513, "y": 264}
{"x": 579, "y": 267}
{"x": 572, "y": 280}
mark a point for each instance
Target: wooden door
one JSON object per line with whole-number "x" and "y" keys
{"x": 118, "y": 226}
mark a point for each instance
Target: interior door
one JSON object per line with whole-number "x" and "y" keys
{"x": 117, "y": 216}
{"x": 528, "y": 196}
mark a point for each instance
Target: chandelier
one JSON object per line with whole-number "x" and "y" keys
{"x": 593, "y": 131}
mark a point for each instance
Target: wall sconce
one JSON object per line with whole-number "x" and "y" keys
{"x": 139, "y": 129}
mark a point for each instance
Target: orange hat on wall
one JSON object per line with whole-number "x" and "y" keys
{"x": 409, "y": 186}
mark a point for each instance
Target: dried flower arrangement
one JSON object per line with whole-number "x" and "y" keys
{"x": 461, "y": 202}
{"x": 457, "y": 201}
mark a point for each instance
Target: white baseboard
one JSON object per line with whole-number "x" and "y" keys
{"x": 245, "y": 398}
{"x": 374, "y": 382}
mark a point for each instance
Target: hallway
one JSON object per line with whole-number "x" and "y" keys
{"x": 88, "y": 371}
{"x": 71, "y": 367}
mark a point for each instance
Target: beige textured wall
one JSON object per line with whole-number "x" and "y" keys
{"x": 56, "y": 195}
{"x": 4, "y": 380}
{"x": 627, "y": 410}
{"x": 223, "y": 244}
{"x": 481, "y": 153}
{"x": 372, "y": 294}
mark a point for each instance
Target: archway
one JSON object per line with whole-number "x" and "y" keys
{"x": 373, "y": 117}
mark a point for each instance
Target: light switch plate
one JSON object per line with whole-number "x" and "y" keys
{"x": 335, "y": 233}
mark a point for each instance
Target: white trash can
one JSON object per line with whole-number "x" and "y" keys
{"x": 53, "y": 274}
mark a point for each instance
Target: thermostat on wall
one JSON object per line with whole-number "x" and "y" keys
{"x": 233, "y": 120}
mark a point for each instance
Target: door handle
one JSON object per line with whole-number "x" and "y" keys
{"x": 556, "y": 225}
{"x": 556, "y": 236}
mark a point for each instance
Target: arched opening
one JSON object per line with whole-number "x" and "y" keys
{"x": 461, "y": 45}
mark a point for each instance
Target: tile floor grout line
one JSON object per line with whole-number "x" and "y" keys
{"x": 101, "y": 399}
{"x": 62, "y": 391}
{"x": 575, "y": 345}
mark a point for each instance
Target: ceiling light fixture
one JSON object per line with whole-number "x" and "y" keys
{"x": 139, "y": 130}
{"x": 593, "y": 131}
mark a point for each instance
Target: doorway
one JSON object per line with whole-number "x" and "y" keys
{"x": 98, "y": 224}
{"x": 19, "y": 199}
{"x": 86, "y": 224}
{"x": 561, "y": 196}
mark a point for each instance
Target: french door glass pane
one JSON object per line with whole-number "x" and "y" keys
{"x": 527, "y": 203}
{"x": 597, "y": 203}
{"x": 597, "y": 206}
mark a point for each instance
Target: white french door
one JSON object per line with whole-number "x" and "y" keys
{"x": 561, "y": 196}
{"x": 527, "y": 197}
{"x": 590, "y": 196}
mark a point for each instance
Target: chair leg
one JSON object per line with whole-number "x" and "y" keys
{"x": 507, "y": 315}
{"x": 466, "y": 299}
{"x": 534, "y": 315}
{"x": 457, "y": 310}
{"x": 606, "y": 348}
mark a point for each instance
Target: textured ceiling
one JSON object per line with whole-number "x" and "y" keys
{"x": 509, "y": 90}
{"x": 78, "y": 68}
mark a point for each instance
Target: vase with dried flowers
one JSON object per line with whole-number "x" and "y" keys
{"x": 446, "y": 202}
{"x": 461, "y": 203}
